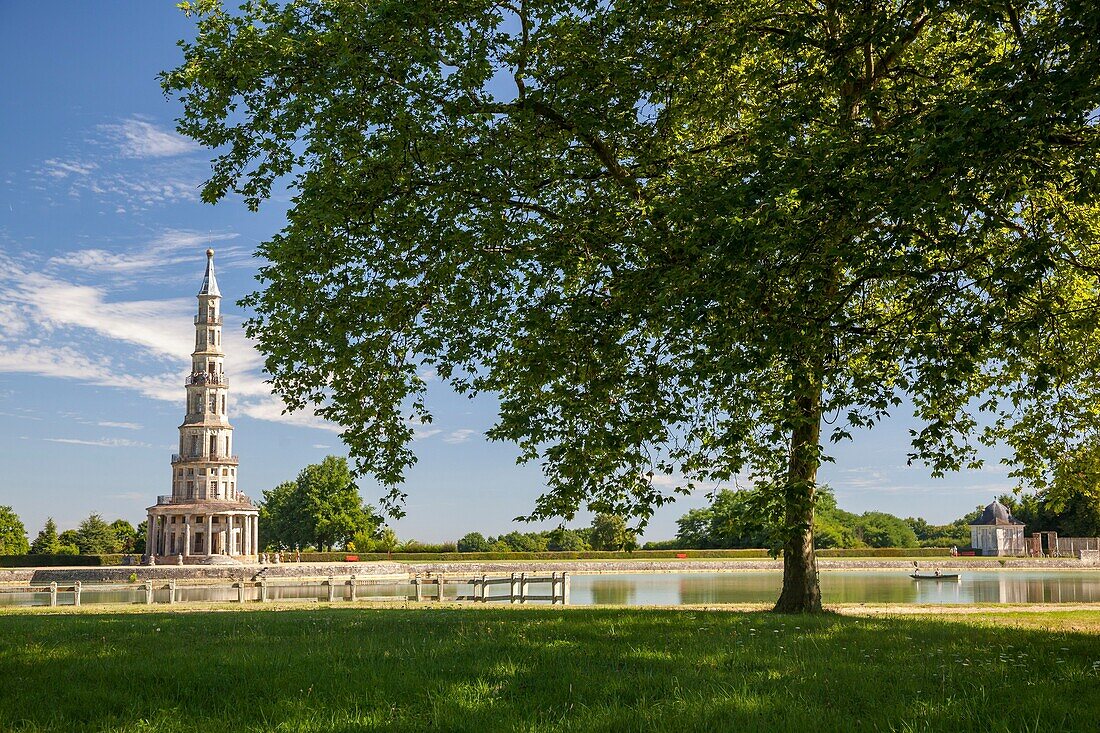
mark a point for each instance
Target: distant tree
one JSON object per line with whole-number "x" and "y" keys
{"x": 47, "y": 543}
{"x": 610, "y": 532}
{"x": 568, "y": 540}
{"x": 879, "y": 529}
{"x": 322, "y": 508}
{"x": 283, "y": 520}
{"x": 142, "y": 532}
{"x": 70, "y": 538}
{"x": 126, "y": 534}
{"x": 386, "y": 540}
{"x": 749, "y": 518}
{"x": 13, "y": 535}
{"x": 333, "y": 504}
{"x": 95, "y": 537}
{"x": 473, "y": 542}
{"x": 521, "y": 542}
{"x": 693, "y": 529}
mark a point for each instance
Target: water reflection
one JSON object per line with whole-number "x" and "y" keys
{"x": 989, "y": 586}
{"x": 612, "y": 592}
{"x": 669, "y": 589}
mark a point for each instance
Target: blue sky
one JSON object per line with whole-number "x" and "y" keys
{"x": 102, "y": 237}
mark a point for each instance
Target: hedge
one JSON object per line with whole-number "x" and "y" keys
{"x": 886, "y": 552}
{"x": 28, "y": 561}
{"x": 41, "y": 561}
{"x": 869, "y": 552}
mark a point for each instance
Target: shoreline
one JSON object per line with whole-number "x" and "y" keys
{"x": 139, "y": 573}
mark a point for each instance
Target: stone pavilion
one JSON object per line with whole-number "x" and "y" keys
{"x": 997, "y": 532}
{"x": 206, "y": 518}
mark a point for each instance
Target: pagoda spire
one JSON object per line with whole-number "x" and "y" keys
{"x": 209, "y": 282}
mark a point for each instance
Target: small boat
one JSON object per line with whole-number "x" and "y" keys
{"x": 930, "y": 576}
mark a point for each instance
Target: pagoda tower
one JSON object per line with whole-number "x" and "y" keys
{"x": 206, "y": 518}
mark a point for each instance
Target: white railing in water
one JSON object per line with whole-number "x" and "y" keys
{"x": 518, "y": 587}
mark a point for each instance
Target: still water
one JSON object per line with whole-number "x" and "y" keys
{"x": 674, "y": 589}
{"x": 979, "y": 586}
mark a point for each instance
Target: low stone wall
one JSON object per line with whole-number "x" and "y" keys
{"x": 497, "y": 567}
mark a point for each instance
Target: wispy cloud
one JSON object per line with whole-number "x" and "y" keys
{"x": 130, "y": 165}
{"x": 172, "y": 247}
{"x": 138, "y": 138}
{"x": 58, "y": 168}
{"x": 459, "y": 436}
{"x": 101, "y": 442}
{"x": 120, "y": 425}
{"x": 79, "y": 330}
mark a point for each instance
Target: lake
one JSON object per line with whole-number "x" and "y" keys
{"x": 675, "y": 589}
{"x": 866, "y": 586}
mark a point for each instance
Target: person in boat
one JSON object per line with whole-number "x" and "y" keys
{"x": 937, "y": 573}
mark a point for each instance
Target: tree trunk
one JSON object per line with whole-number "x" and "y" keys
{"x": 801, "y": 592}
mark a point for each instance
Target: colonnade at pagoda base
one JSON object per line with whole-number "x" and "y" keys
{"x": 212, "y": 537}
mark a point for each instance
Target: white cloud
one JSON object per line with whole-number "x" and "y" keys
{"x": 137, "y": 138}
{"x": 56, "y": 168}
{"x": 173, "y": 247}
{"x": 120, "y": 425}
{"x": 55, "y": 361}
{"x": 78, "y": 331}
{"x": 426, "y": 433}
{"x": 101, "y": 442}
{"x": 459, "y": 436}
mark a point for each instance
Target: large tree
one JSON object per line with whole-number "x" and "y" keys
{"x": 673, "y": 238}
{"x": 321, "y": 508}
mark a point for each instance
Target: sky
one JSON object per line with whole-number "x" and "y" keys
{"x": 102, "y": 240}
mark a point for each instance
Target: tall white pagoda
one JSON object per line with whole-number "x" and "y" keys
{"x": 206, "y": 518}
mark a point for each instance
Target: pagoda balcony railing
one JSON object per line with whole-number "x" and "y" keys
{"x": 199, "y": 496}
{"x": 177, "y": 458}
{"x": 219, "y": 380}
{"x": 208, "y": 320}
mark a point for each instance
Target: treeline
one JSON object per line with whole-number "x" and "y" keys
{"x": 608, "y": 532}
{"x": 751, "y": 518}
{"x": 94, "y": 536}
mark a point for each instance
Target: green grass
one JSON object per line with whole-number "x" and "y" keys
{"x": 489, "y": 669}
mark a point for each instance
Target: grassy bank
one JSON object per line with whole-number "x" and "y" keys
{"x": 337, "y": 669}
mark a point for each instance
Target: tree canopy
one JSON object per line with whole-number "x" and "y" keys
{"x": 674, "y": 239}
{"x": 47, "y": 543}
{"x": 13, "y": 535}
{"x": 95, "y": 537}
{"x": 322, "y": 508}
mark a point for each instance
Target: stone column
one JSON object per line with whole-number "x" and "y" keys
{"x": 246, "y": 536}
{"x": 187, "y": 535}
{"x": 256, "y": 535}
{"x": 164, "y": 536}
{"x": 150, "y": 533}
{"x": 209, "y": 535}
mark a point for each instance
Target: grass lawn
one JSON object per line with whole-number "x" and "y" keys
{"x": 486, "y": 669}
